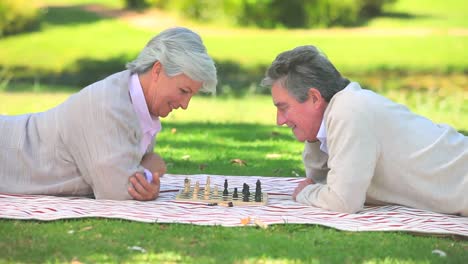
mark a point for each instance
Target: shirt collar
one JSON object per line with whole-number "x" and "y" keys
{"x": 322, "y": 136}
{"x": 148, "y": 123}
{"x": 322, "y": 133}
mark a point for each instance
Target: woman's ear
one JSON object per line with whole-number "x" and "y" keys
{"x": 156, "y": 70}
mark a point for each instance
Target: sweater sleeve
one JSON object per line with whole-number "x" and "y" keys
{"x": 102, "y": 136}
{"x": 315, "y": 162}
{"x": 353, "y": 151}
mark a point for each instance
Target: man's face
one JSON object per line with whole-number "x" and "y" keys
{"x": 168, "y": 93}
{"x": 303, "y": 118}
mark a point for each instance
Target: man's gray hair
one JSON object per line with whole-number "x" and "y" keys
{"x": 303, "y": 68}
{"x": 179, "y": 50}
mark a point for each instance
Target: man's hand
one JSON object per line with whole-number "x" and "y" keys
{"x": 141, "y": 189}
{"x": 301, "y": 186}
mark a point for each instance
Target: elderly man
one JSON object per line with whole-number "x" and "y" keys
{"x": 100, "y": 141}
{"x": 361, "y": 147}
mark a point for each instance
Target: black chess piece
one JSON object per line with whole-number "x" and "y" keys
{"x": 246, "y": 193}
{"x": 258, "y": 191}
{"x": 225, "y": 192}
{"x": 235, "y": 195}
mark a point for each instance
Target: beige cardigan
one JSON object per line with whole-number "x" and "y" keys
{"x": 380, "y": 152}
{"x": 87, "y": 145}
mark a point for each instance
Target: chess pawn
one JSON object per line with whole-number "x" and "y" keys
{"x": 258, "y": 187}
{"x": 225, "y": 192}
{"x": 186, "y": 185}
{"x": 195, "y": 190}
{"x": 207, "y": 192}
{"x": 208, "y": 181}
{"x": 235, "y": 195}
{"x": 215, "y": 192}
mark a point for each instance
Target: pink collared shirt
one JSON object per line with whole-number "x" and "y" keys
{"x": 150, "y": 125}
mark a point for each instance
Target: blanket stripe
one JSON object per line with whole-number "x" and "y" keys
{"x": 281, "y": 209}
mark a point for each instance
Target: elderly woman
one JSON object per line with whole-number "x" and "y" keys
{"x": 100, "y": 141}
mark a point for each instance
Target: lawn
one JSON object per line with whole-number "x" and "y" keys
{"x": 200, "y": 140}
{"x": 410, "y": 55}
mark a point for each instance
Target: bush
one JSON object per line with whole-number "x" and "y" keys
{"x": 276, "y": 13}
{"x": 17, "y": 16}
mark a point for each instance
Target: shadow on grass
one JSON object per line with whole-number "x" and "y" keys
{"x": 233, "y": 78}
{"x": 69, "y": 15}
{"x": 60, "y": 16}
{"x": 404, "y": 15}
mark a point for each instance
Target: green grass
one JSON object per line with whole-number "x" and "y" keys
{"x": 52, "y": 243}
{"x": 213, "y": 131}
{"x": 58, "y": 47}
{"x": 70, "y": 34}
{"x": 421, "y": 13}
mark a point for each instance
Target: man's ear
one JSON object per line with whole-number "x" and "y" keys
{"x": 315, "y": 97}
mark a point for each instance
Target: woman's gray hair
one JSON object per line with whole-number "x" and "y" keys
{"x": 303, "y": 68}
{"x": 179, "y": 50}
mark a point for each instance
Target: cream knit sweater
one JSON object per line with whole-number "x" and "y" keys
{"x": 380, "y": 152}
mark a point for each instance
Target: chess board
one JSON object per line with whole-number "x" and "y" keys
{"x": 211, "y": 198}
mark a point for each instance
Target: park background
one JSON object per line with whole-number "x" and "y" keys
{"x": 412, "y": 51}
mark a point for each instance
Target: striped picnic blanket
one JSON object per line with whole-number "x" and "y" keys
{"x": 281, "y": 209}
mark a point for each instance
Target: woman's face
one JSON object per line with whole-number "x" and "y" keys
{"x": 166, "y": 93}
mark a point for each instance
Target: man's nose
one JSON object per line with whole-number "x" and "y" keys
{"x": 280, "y": 118}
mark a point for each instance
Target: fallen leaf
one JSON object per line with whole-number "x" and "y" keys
{"x": 439, "y": 252}
{"x": 137, "y": 248}
{"x": 75, "y": 261}
{"x": 274, "y": 134}
{"x": 245, "y": 221}
{"x": 260, "y": 223}
{"x": 273, "y": 155}
{"x": 86, "y": 228}
{"x": 174, "y": 130}
{"x": 186, "y": 157}
{"x": 277, "y": 171}
{"x": 239, "y": 162}
{"x": 202, "y": 166}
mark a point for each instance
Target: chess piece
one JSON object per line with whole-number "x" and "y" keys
{"x": 225, "y": 192}
{"x": 258, "y": 191}
{"x": 195, "y": 190}
{"x": 235, "y": 195}
{"x": 186, "y": 185}
{"x": 246, "y": 193}
{"x": 215, "y": 192}
{"x": 207, "y": 187}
